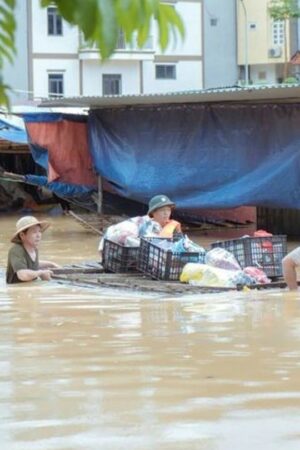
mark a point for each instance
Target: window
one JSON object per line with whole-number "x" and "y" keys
{"x": 252, "y": 26}
{"x": 165, "y": 72}
{"x": 213, "y": 22}
{"x": 55, "y": 85}
{"x": 278, "y": 32}
{"x": 262, "y": 75}
{"x": 54, "y": 22}
{"x": 121, "y": 43}
{"x": 111, "y": 84}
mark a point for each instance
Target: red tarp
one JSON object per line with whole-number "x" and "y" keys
{"x": 67, "y": 144}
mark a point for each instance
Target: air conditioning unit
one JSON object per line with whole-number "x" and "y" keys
{"x": 275, "y": 52}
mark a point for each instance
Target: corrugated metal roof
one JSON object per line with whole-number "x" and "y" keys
{"x": 287, "y": 93}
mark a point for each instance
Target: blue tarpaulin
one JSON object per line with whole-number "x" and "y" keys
{"x": 13, "y": 133}
{"x": 202, "y": 156}
{"x": 60, "y": 189}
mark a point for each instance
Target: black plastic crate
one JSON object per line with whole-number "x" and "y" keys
{"x": 118, "y": 258}
{"x": 163, "y": 264}
{"x": 264, "y": 252}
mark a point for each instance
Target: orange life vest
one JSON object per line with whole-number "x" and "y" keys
{"x": 169, "y": 228}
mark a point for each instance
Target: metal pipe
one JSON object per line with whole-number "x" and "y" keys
{"x": 246, "y": 44}
{"x": 100, "y": 196}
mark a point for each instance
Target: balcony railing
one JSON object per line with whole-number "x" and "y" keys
{"x": 121, "y": 46}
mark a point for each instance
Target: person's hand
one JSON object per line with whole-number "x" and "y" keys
{"x": 54, "y": 266}
{"x": 45, "y": 274}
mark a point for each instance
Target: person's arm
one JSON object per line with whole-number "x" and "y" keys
{"x": 48, "y": 265}
{"x": 289, "y": 272}
{"x": 178, "y": 228}
{"x": 30, "y": 275}
{"x": 100, "y": 248}
{"x": 289, "y": 266}
{"x": 19, "y": 266}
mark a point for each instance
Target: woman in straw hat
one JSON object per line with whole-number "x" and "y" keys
{"x": 23, "y": 259}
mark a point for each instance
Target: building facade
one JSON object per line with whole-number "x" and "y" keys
{"x": 220, "y": 43}
{"x": 263, "y": 44}
{"x": 54, "y": 60}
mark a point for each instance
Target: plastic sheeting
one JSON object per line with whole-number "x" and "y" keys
{"x": 78, "y": 195}
{"x": 13, "y": 133}
{"x": 59, "y": 144}
{"x": 60, "y": 189}
{"x": 202, "y": 156}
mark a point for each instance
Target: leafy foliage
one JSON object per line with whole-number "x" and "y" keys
{"x": 290, "y": 80}
{"x": 101, "y": 20}
{"x": 284, "y": 9}
{"x": 7, "y": 42}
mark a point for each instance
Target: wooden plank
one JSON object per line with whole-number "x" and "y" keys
{"x": 74, "y": 270}
{"x": 144, "y": 284}
{"x": 91, "y": 274}
{"x": 135, "y": 283}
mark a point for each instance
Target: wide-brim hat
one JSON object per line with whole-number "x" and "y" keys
{"x": 26, "y": 222}
{"x": 158, "y": 202}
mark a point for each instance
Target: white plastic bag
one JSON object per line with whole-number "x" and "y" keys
{"x": 221, "y": 258}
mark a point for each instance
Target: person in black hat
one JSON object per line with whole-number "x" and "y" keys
{"x": 157, "y": 222}
{"x": 159, "y": 210}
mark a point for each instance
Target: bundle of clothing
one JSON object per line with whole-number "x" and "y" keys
{"x": 221, "y": 269}
{"x": 129, "y": 232}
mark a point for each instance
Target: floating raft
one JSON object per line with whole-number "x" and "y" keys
{"x": 80, "y": 268}
{"x": 92, "y": 275}
{"x": 134, "y": 282}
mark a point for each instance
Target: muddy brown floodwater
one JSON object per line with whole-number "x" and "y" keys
{"x": 87, "y": 369}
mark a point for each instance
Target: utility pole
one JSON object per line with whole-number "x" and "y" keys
{"x": 246, "y": 43}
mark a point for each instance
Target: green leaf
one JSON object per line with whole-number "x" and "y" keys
{"x": 107, "y": 35}
{"x": 10, "y": 3}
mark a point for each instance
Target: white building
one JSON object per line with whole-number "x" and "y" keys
{"x": 60, "y": 63}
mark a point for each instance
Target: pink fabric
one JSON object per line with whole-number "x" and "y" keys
{"x": 67, "y": 144}
{"x": 258, "y": 274}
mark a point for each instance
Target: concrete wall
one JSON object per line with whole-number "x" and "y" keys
{"x": 270, "y": 71}
{"x": 69, "y": 68}
{"x": 92, "y": 72}
{"x": 188, "y": 77}
{"x": 191, "y": 13}
{"x": 16, "y": 74}
{"x": 44, "y": 44}
{"x": 220, "y": 47}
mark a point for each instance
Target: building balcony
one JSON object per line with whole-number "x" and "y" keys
{"x": 124, "y": 51}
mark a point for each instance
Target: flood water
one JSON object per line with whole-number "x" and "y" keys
{"x": 88, "y": 369}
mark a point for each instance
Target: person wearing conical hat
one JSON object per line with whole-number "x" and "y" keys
{"x": 23, "y": 262}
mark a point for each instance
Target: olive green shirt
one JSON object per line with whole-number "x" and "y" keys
{"x": 19, "y": 259}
